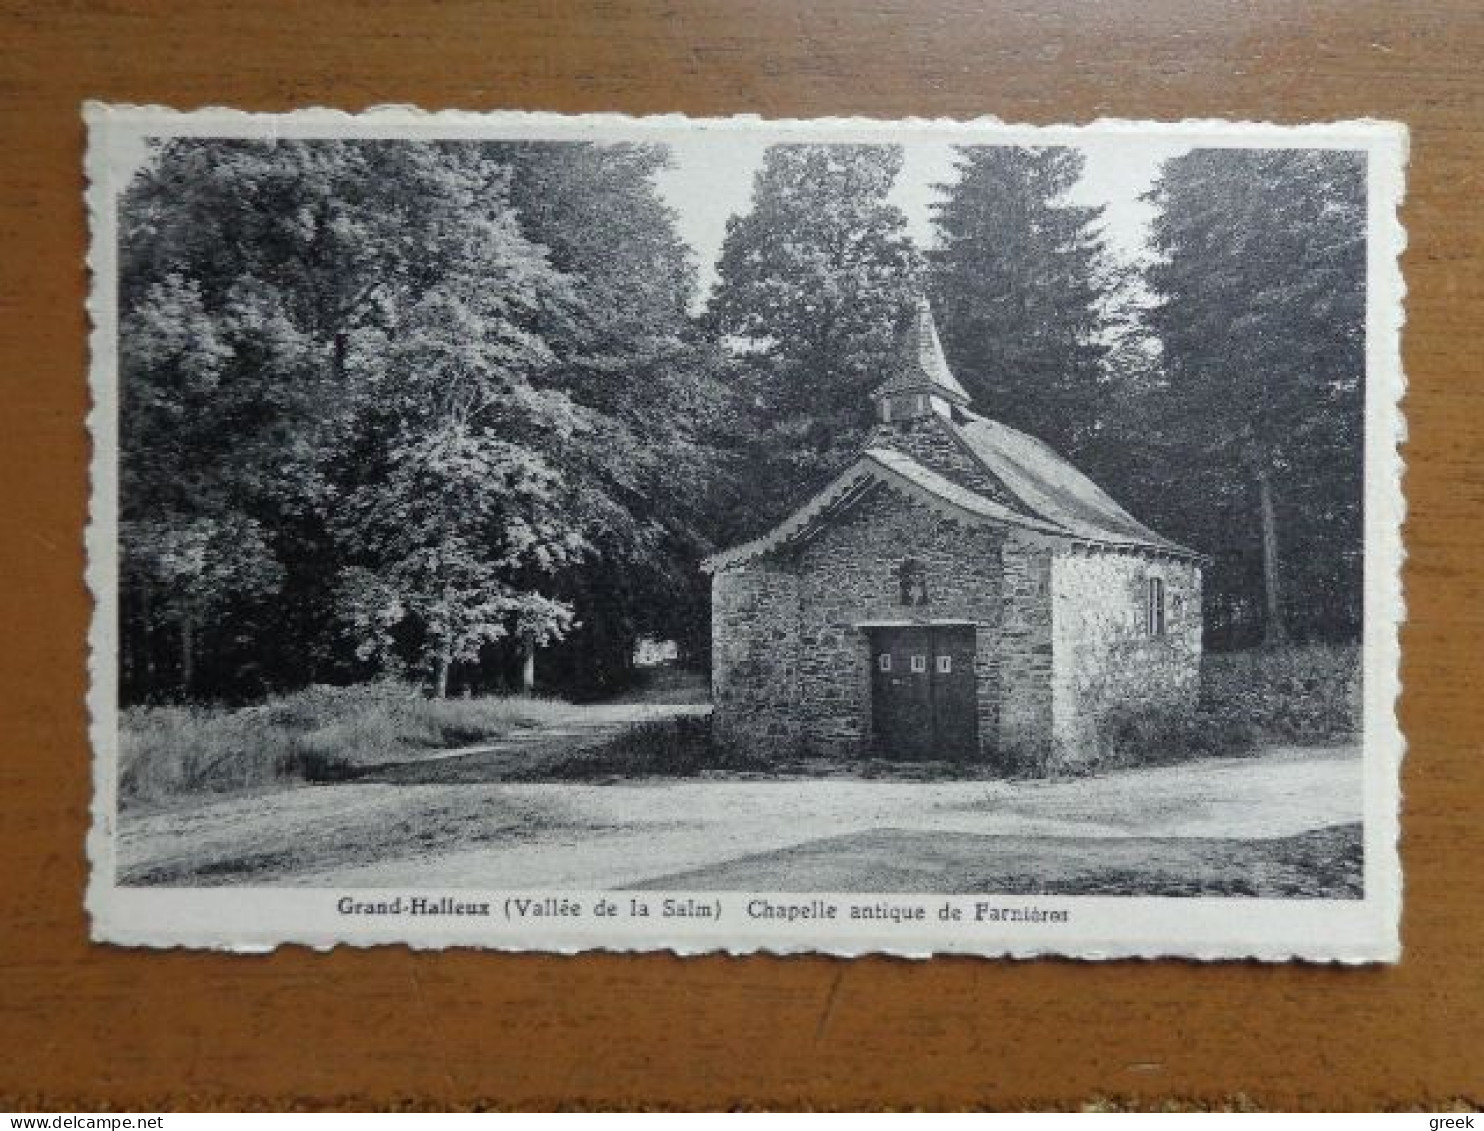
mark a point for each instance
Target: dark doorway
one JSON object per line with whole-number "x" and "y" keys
{"x": 923, "y": 694}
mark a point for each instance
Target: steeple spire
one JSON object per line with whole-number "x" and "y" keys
{"x": 921, "y": 381}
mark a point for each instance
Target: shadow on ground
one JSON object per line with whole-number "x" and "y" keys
{"x": 1323, "y": 864}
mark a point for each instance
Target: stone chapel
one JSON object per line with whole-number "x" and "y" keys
{"x": 959, "y": 593}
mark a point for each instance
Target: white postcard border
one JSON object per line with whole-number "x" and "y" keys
{"x": 254, "y": 919}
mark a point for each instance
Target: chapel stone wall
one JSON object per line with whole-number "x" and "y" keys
{"x": 1106, "y": 658}
{"x": 1025, "y": 643}
{"x": 755, "y": 649}
{"x": 850, "y": 575}
{"x": 792, "y": 653}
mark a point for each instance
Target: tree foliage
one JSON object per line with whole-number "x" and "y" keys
{"x": 815, "y": 280}
{"x": 377, "y": 415}
{"x": 1018, "y": 279}
{"x": 1257, "y": 419}
{"x": 648, "y": 385}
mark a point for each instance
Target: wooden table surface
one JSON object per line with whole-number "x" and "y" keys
{"x": 89, "y": 1026}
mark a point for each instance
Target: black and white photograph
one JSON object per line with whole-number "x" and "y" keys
{"x": 545, "y": 532}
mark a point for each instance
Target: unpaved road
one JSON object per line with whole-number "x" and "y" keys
{"x": 521, "y": 752}
{"x": 737, "y": 833}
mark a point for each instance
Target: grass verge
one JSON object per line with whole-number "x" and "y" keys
{"x": 319, "y": 734}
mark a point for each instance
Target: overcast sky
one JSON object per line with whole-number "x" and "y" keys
{"x": 712, "y": 175}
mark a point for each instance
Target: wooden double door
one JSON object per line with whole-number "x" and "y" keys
{"x": 924, "y": 701}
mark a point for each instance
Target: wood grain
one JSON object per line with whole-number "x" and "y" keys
{"x": 96, "y": 1026}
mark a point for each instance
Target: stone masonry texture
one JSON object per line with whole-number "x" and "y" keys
{"x": 849, "y": 575}
{"x": 792, "y": 658}
{"x": 1104, "y": 654}
{"x": 931, "y": 443}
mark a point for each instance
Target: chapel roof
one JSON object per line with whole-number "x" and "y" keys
{"x": 1051, "y": 497}
{"x": 1042, "y": 492}
{"x": 1045, "y": 484}
{"x": 921, "y": 366}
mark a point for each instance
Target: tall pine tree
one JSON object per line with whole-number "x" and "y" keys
{"x": 1016, "y": 278}
{"x": 1260, "y": 285}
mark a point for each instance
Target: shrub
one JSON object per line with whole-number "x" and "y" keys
{"x": 1143, "y": 734}
{"x": 457, "y": 721}
{"x": 1307, "y": 694}
{"x": 173, "y": 750}
{"x": 1310, "y": 693}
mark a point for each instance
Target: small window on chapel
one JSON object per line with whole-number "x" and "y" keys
{"x": 883, "y": 661}
{"x": 912, "y": 580}
{"x": 1155, "y": 607}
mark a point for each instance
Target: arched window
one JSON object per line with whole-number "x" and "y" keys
{"x": 912, "y": 582}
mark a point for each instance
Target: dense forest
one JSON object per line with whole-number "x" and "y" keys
{"x": 439, "y": 411}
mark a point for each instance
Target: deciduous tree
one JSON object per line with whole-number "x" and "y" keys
{"x": 815, "y": 280}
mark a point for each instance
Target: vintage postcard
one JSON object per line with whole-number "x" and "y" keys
{"x": 561, "y": 533}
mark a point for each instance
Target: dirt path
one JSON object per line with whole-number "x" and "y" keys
{"x": 524, "y": 753}
{"x": 457, "y": 833}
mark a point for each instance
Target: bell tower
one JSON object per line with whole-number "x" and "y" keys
{"x": 921, "y": 383}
